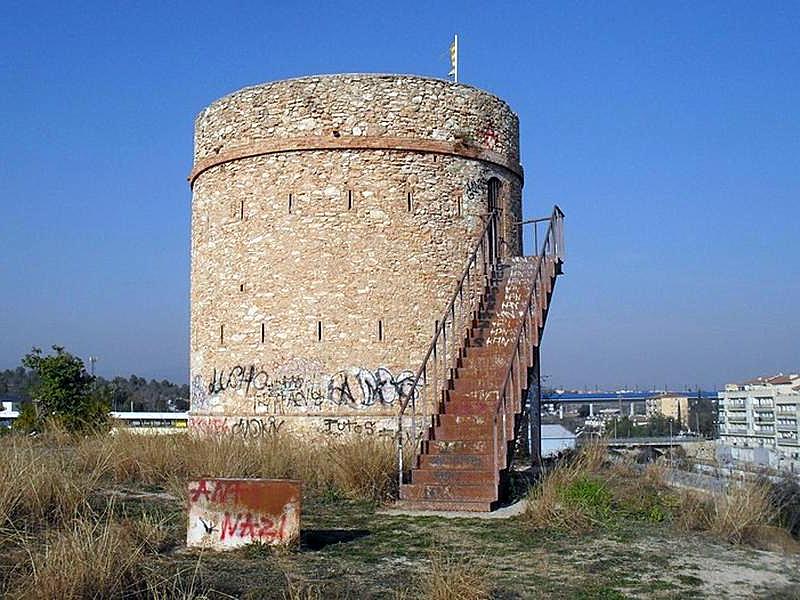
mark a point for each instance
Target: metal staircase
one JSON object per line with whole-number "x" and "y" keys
{"x": 459, "y": 426}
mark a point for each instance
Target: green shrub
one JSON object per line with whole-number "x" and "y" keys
{"x": 590, "y": 495}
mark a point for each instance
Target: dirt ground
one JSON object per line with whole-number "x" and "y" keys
{"x": 348, "y": 550}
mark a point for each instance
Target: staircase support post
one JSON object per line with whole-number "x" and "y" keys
{"x": 534, "y": 414}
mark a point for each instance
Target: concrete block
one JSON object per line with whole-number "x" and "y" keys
{"x": 230, "y": 513}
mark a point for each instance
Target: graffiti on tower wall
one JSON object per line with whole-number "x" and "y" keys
{"x": 299, "y": 387}
{"x": 362, "y": 387}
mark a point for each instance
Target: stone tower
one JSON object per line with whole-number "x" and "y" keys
{"x": 331, "y": 219}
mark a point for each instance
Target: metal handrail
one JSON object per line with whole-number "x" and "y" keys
{"x": 487, "y": 246}
{"x": 555, "y": 242}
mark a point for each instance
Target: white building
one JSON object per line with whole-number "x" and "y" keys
{"x": 556, "y": 439}
{"x": 8, "y": 412}
{"x": 151, "y": 422}
{"x": 758, "y": 421}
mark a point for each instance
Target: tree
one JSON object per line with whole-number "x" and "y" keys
{"x": 65, "y": 392}
{"x": 27, "y": 420}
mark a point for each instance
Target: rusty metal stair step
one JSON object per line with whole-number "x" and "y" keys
{"x": 460, "y": 407}
{"x": 474, "y": 492}
{"x": 461, "y": 462}
{"x": 462, "y": 433}
{"x": 466, "y": 421}
{"x": 478, "y": 385}
{"x": 458, "y": 447}
{"x": 453, "y": 476}
{"x": 444, "y": 505}
{"x": 468, "y": 427}
{"x": 487, "y": 361}
{"x": 469, "y": 372}
{"x": 478, "y": 396}
{"x": 484, "y": 351}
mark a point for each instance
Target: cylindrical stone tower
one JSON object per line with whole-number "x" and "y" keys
{"x": 331, "y": 218}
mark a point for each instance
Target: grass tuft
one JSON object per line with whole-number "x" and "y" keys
{"x": 452, "y": 577}
{"x": 42, "y": 483}
{"x": 362, "y": 468}
{"x": 84, "y": 559}
{"x": 570, "y": 497}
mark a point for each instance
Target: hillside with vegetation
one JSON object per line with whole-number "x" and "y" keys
{"x": 105, "y": 516}
{"x": 131, "y": 393}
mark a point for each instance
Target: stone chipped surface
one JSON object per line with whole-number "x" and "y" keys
{"x": 357, "y": 105}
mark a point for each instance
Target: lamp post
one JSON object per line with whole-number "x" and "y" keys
{"x": 670, "y": 443}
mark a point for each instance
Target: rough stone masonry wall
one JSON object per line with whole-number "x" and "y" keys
{"x": 331, "y": 217}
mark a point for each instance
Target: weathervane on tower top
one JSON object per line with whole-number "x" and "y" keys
{"x": 454, "y": 59}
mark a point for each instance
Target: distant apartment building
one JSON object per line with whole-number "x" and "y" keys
{"x": 763, "y": 414}
{"x": 692, "y": 413}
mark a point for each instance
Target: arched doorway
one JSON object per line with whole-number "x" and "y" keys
{"x": 493, "y": 186}
{"x": 494, "y": 204}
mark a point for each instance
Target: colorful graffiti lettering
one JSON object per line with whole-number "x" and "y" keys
{"x": 306, "y": 392}
{"x": 255, "y": 527}
{"x": 209, "y": 426}
{"x": 229, "y": 513}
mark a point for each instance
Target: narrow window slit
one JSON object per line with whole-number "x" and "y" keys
{"x": 319, "y": 331}
{"x": 408, "y": 199}
{"x": 349, "y": 199}
{"x": 263, "y": 333}
{"x": 241, "y": 287}
{"x": 290, "y": 204}
{"x": 222, "y": 335}
{"x": 380, "y": 330}
{"x": 241, "y": 210}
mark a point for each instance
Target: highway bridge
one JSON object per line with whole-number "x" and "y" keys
{"x": 653, "y": 442}
{"x": 616, "y": 397}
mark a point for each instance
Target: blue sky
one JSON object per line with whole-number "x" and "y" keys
{"x": 668, "y": 132}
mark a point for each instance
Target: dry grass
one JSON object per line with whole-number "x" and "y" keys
{"x": 693, "y": 512}
{"x": 149, "y": 531}
{"x": 550, "y": 503}
{"x": 177, "y": 587}
{"x": 85, "y": 559}
{"x": 360, "y": 468}
{"x": 738, "y": 515}
{"x": 571, "y": 497}
{"x": 744, "y": 514}
{"x": 41, "y": 482}
{"x": 301, "y": 591}
{"x": 53, "y": 480}
{"x": 451, "y": 577}
{"x": 95, "y": 556}
{"x": 365, "y": 470}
